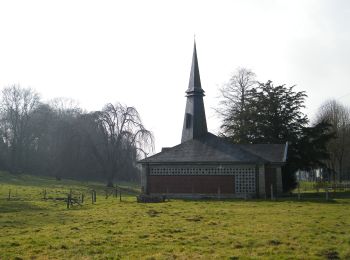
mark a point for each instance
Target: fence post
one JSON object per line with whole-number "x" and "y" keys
{"x": 9, "y": 197}
{"x": 120, "y": 195}
{"x": 92, "y": 196}
{"x": 82, "y": 198}
{"x": 68, "y": 200}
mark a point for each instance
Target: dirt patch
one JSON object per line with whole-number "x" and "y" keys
{"x": 274, "y": 242}
{"x": 195, "y": 218}
{"x": 330, "y": 254}
{"x": 153, "y": 213}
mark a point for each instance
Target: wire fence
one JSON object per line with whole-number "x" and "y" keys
{"x": 322, "y": 190}
{"x": 82, "y": 195}
{"x": 70, "y": 196}
{"x": 322, "y": 186}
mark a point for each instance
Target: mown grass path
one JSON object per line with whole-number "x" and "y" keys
{"x": 110, "y": 229}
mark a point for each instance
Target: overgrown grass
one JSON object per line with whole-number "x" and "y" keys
{"x": 110, "y": 229}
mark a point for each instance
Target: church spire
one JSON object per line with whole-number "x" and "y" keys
{"x": 195, "y": 124}
{"x": 195, "y": 80}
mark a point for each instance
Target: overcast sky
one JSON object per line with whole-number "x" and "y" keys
{"x": 139, "y": 52}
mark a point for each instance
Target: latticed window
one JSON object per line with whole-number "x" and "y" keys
{"x": 245, "y": 181}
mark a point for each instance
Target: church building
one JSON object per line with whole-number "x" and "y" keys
{"x": 205, "y": 165}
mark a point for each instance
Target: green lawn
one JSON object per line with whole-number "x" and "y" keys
{"x": 32, "y": 228}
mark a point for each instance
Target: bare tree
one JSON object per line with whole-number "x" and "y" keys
{"x": 16, "y": 107}
{"x": 117, "y": 132}
{"x": 65, "y": 106}
{"x": 338, "y": 116}
{"x": 233, "y": 104}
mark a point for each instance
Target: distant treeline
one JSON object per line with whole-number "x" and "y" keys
{"x": 60, "y": 139}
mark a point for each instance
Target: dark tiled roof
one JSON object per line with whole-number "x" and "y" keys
{"x": 211, "y": 148}
{"x": 270, "y": 152}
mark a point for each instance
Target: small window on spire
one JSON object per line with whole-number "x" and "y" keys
{"x": 188, "y": 120}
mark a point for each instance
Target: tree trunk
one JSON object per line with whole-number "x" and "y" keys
{"x": 110, "y": 178}
{"x": 110, "y": 182}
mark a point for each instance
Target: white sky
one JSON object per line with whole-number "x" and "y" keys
{"x": 139, "y": 52}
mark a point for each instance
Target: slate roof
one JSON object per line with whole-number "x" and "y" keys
{"x": 211, "y": 148}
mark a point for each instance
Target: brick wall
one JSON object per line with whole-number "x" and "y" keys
{"x": 191, "y": 184}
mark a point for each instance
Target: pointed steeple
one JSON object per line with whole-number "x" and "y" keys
{"x": 195, "y": 124}
{"x": 195, "y": 80}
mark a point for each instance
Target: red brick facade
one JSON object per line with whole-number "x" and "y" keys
{"x": 191, "y": 184}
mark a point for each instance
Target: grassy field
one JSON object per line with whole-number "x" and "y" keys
{"x": 32, "y": 228}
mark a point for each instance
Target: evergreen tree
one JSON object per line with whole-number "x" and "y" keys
{"x": 308, "y": 152}
{"x": 275, "y": 114}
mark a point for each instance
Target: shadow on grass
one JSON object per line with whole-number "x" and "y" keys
{"x": 17, "y": 206}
